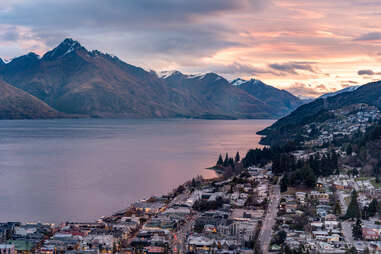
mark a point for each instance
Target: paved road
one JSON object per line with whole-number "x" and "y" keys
{"x": 346, "y": 225}
{"x": 269, "y": 221}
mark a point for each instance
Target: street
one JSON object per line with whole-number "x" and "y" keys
{"x": 269, "y": 221}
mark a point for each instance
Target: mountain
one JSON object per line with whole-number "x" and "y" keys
{"x": 347, "y": 89}
{"x": 282, "y": 100}
{"x": 214, "y": 97}
{"x": 75, "y": 81}
{"x": 286, "y": 129}
{"x": 237, "y": 82}
{"x": 17, "y": 104}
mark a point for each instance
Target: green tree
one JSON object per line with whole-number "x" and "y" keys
{"x": 220, "y": 161}
{"x": 372, "y": 208}
{"x": 226, "y": 161}
{"x": 237, "y": 157}
{"x": 337, "y": 208}
{"x": 349, "y": 150}
{"x": 283, "y": 183}
{"x": 353, "y": 210}
{"x": 357, "y": 230}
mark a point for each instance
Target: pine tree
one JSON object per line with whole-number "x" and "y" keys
{"x": 283, "y": 183}
{"x": 349, "y": 150}
{"x": 220, "y": 161}
{"x": 237, "y": 157}
{"x": 226, "y": 161}
{"x": 353, "y": 210}
{"x": 372, "y": 208}
{"x": 337, "y": 208}
{"x": 357, "y": 230}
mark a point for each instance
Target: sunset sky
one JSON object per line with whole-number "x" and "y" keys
{"x": 306, "y": 46}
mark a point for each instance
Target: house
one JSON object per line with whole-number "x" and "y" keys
{"x": 370, "y": 234}
{"x": 300, "y": 196}
{"x": 153, "y": 250}
{"x": 7, "y": 249}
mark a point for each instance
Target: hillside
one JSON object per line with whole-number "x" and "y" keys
{"x": 17, "y": 104}
{"x": 286, "y": 129}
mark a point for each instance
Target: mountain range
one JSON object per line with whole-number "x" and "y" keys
{"x": 286, "y": 129}
{"x": 70, "y": 81}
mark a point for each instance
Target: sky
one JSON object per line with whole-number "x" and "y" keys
{"x": 308, "y": 47}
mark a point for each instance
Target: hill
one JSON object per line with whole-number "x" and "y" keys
{"x": 17, "y": 104}
{"x": 286, "y": 129}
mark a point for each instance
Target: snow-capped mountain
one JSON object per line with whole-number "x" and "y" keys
{"x": 347, "y": 89}
{"x": 237, "y": 82}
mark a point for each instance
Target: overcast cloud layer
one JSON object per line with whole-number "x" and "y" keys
{"x": 307, "y": 46}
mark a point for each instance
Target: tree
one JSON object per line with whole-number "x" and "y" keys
{"x": 337, "y": 208}
{"x": 310, "y": 178}
{"x": 372, "y": 208}
{"x": 351, "y": 251}
{"x": 357, "y": 230}
{"x": 237, "y": 157}
{"x": 220, "y": 161}
{"x": 349, "y": 150}
{"x": 226, "y": 161}
{"x": 283, "y": 183}
{"x": 280, "y": 237}
{"x": 353, "y": 210}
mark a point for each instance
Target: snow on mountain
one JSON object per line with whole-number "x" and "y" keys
{"x": 347, "y": 89}
{"x": 237, "y": 82}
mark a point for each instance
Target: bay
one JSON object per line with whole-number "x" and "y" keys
{"x": 81, "y": 169}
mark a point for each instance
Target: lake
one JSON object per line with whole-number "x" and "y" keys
{"x": 81, "y": 169}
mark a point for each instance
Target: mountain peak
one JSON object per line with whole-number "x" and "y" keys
{"x": 64, "y": 48}
{"x": 237, "y": 82}
{"x": 167, "y": 74}
{"x": 254, "y": 81}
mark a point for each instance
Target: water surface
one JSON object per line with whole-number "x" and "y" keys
{"x": 81, "y": 169}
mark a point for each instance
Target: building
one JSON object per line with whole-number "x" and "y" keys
{"x": 7, "y": 249}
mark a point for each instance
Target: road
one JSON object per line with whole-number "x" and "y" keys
{"x": 346, "y": 225}
{"x": 269, "y": 221}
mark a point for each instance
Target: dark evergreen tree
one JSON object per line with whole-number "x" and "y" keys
{"x": 283, "y": 183}
{"x": 220, "y": 161}
{"x": 349, "y": 150}
{"x": 357, "y": 230}
{"x": 226, "y": 161}
{"x": 372, "y": 208}
{"x": 353, "y": 211}
{"x": 237, "y": 157}
{"x": 310, "y": 178}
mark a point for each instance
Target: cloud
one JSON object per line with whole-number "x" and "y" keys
{"x": 144, "y": 31}
{"x": 279, "y": 41}
{"x": 292, "y": 67}
{"x": 307, "y": 90}
{"x": 368, "y": 72}
{"x": 240, "y": 69}
{"x": 373, "y": 36}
